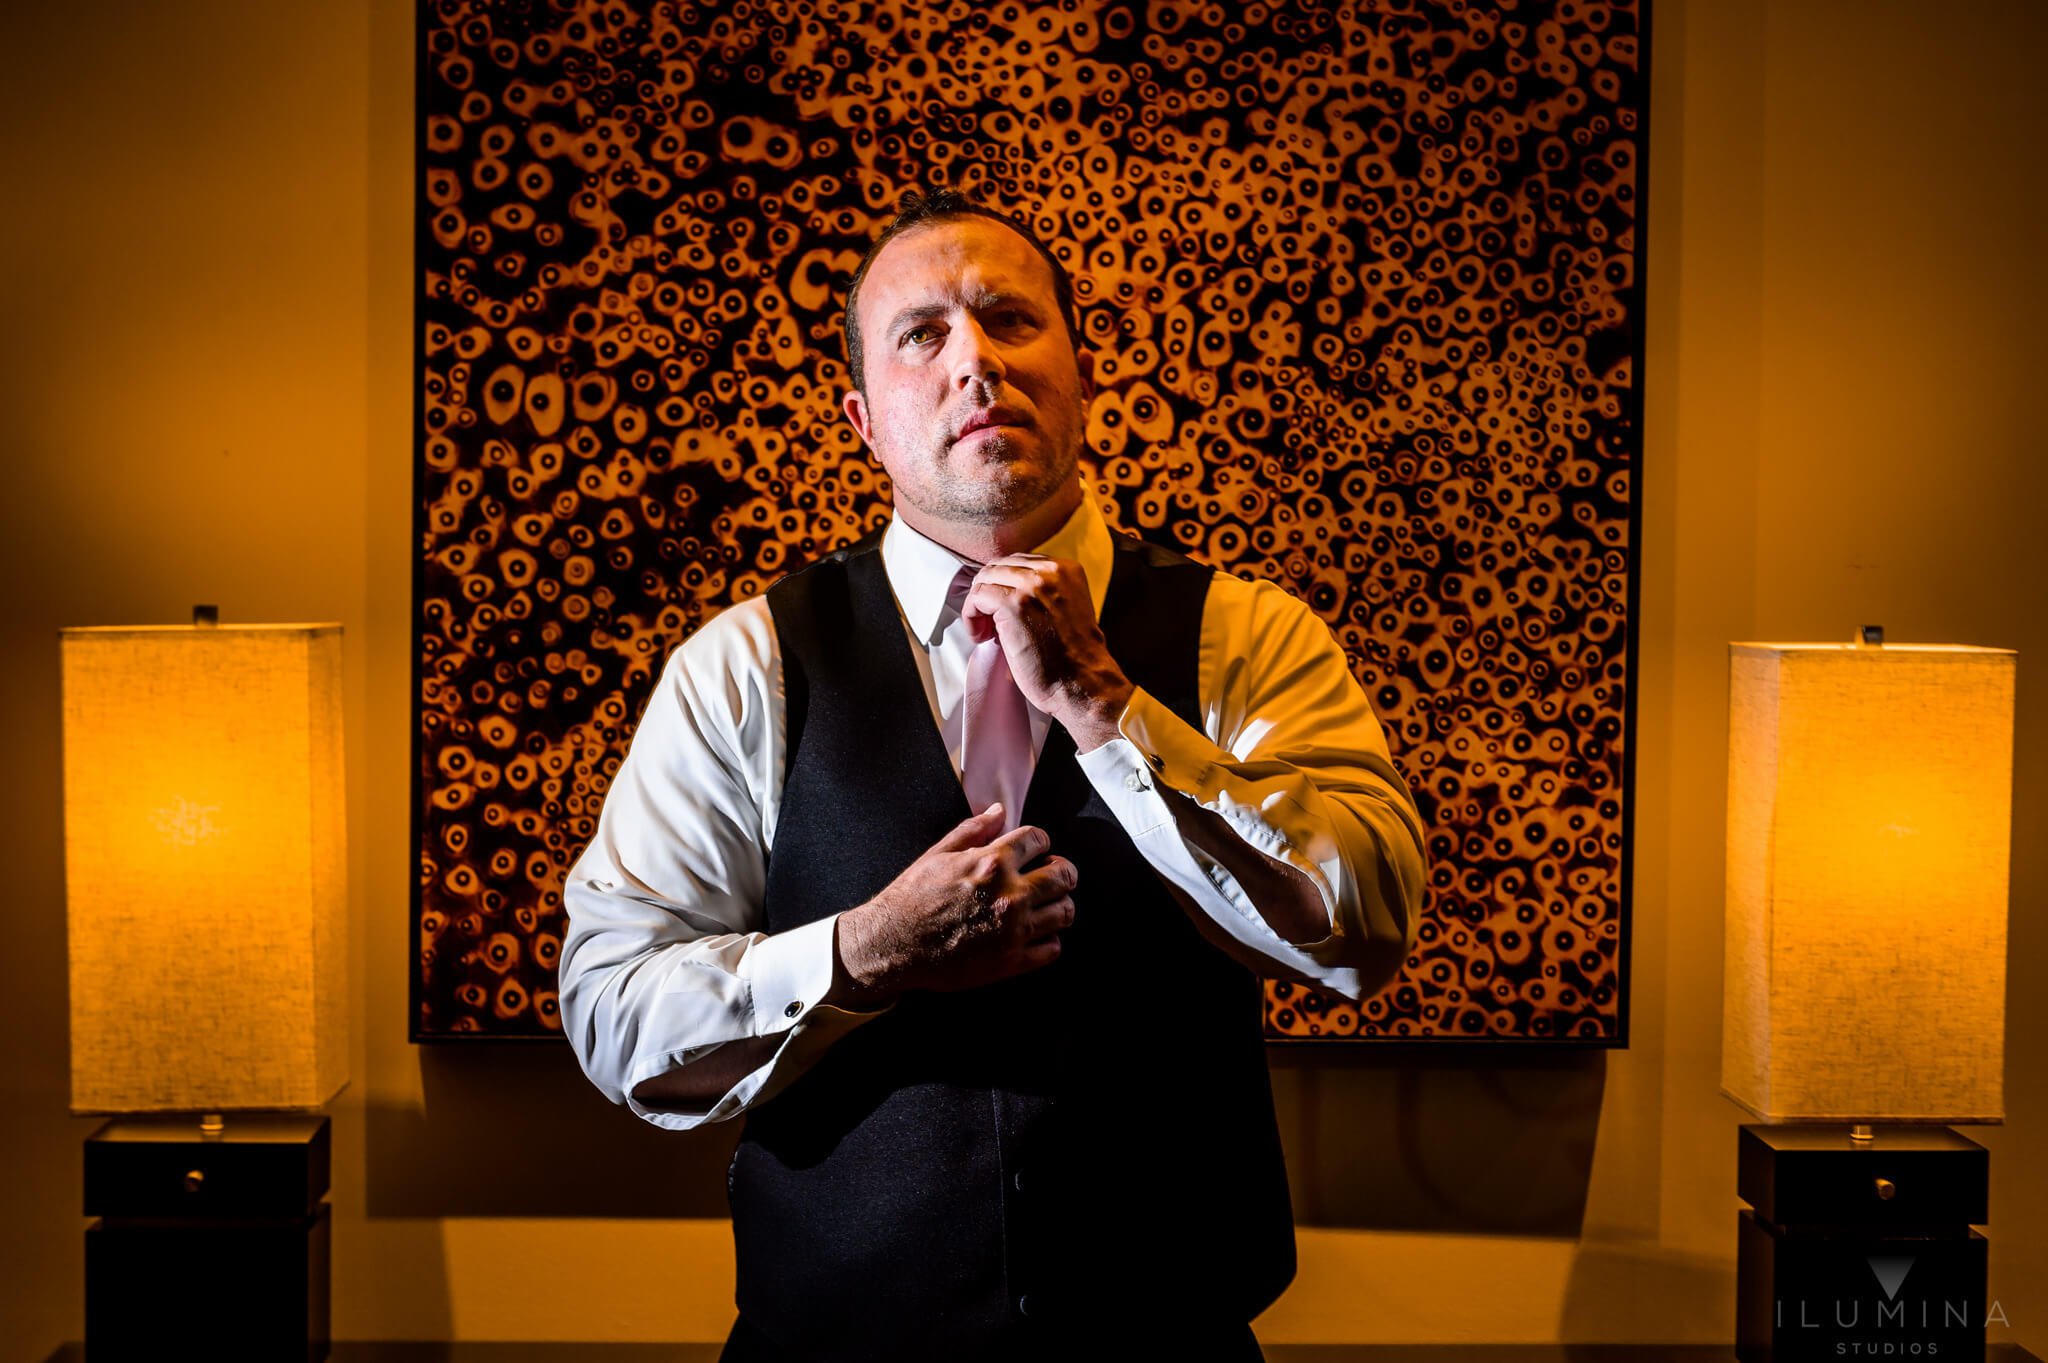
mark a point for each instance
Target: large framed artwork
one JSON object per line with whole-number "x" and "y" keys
{"x": 1362, "y": 280}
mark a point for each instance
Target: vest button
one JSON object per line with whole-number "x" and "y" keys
{"x": 1024, "y": 1305}
{"x": 792, "y": 1010}
{"x": 1017, "y": 1181}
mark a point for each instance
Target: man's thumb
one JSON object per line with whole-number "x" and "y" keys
{"x": 974, "y": 830}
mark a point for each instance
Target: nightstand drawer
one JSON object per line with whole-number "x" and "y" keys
{"x": 262, "y": 1165}
{"x": 1907, "y": 1176}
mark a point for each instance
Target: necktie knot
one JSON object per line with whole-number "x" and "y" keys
{"x": 963, "y": 581}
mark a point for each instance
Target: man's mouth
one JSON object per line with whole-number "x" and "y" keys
{"x": 993, "y": 419}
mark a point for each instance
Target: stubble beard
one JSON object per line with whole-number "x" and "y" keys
{"x": 980, "y": 487}
{"x": 999, "y": 495}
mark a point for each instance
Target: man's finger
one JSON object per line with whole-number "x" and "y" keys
{"x": 972, "y": 831}
{"x": 1029, "y": 842}
{"x": 1040, "y": 953}
{"x": 1057, "y": 916}
{"x": 986, "y": 598}
{"x": 980, "y": 607}
{"x": 1058, "y": 876}
{"x": 1005, "y": 572}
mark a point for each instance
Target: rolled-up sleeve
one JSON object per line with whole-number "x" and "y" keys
{"x": 1291, "y": 758}
{"x": 665, "y": 959}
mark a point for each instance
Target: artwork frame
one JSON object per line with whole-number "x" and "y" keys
{"x": 1177, "y": 258}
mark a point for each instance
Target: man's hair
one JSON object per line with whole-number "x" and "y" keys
{"x": 915, "y": 210}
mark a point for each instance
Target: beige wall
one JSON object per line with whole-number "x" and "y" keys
{"x": 205, "y": 379}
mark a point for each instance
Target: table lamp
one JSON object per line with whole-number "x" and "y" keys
{"x": 1869, "y": 831}
{"x": 205, "y": 867}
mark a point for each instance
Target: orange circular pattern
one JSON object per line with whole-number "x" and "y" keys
{"x": 1362, "y": 285}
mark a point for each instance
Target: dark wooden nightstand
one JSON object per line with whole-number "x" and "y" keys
{"x": 214, "y": 1242}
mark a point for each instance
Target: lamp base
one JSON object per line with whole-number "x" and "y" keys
{"x": 1860, "y": 1247}
{"x": 1845, "y": 1294}
{"x": 208, "y": 1289}
{"x": 217, "y": 1240}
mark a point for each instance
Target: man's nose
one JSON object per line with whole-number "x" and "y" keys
{"x": 975, "y": 357}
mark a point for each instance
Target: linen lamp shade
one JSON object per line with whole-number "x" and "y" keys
{"x": 205, "y": 867}
{"x": 1869, "y": 829}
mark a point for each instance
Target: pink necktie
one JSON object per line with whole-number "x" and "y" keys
{"x": 995, "y": 727}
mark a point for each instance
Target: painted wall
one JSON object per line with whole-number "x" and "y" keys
{"x": 205, "y": 379}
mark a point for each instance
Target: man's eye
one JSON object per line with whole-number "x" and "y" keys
{"x": 910, "y": 336}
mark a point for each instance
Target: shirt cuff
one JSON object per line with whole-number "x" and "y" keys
{"x": 788, "y": 974}
{"x": 1172, "y": 749}
{"x": 1158, "y": 748}
{"x": 1126, "y": 777}
{"x": 1154, "y": 746}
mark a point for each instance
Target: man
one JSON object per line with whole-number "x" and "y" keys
{"x": 952, "y": 861}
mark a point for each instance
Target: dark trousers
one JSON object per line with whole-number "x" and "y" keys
{"x": 1232, "y": 1343}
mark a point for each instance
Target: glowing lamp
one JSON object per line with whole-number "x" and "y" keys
{"x": 205, "y": 863}
{"x": 205, "y": 867}
{"x": 1869, "y": 833}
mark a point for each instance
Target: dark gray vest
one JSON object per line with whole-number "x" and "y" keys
{"x": 983, "y": 1174}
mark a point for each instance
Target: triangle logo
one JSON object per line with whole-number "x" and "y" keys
{"x": 1890, "y": 1274}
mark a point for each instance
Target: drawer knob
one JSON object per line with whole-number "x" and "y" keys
{"x": 1887, "y": 1190}
{"x": 195, "y": 1180}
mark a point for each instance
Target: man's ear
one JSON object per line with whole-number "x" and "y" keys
{"x": 1084, "y": 361}
{"x": 855, "y": 405}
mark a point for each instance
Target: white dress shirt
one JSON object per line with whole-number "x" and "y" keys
{"x": 665, "y": 958}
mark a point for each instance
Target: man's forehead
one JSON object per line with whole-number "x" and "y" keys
{"x": 962, "y": 258}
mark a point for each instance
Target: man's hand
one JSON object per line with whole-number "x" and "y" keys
{"x": 964, "y": 914}
{"x": 1041, "y": 610}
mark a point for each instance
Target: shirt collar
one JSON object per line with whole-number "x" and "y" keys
{"x": 921, "y": 570}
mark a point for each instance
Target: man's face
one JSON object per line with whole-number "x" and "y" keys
{"x": 959, "y": 325}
